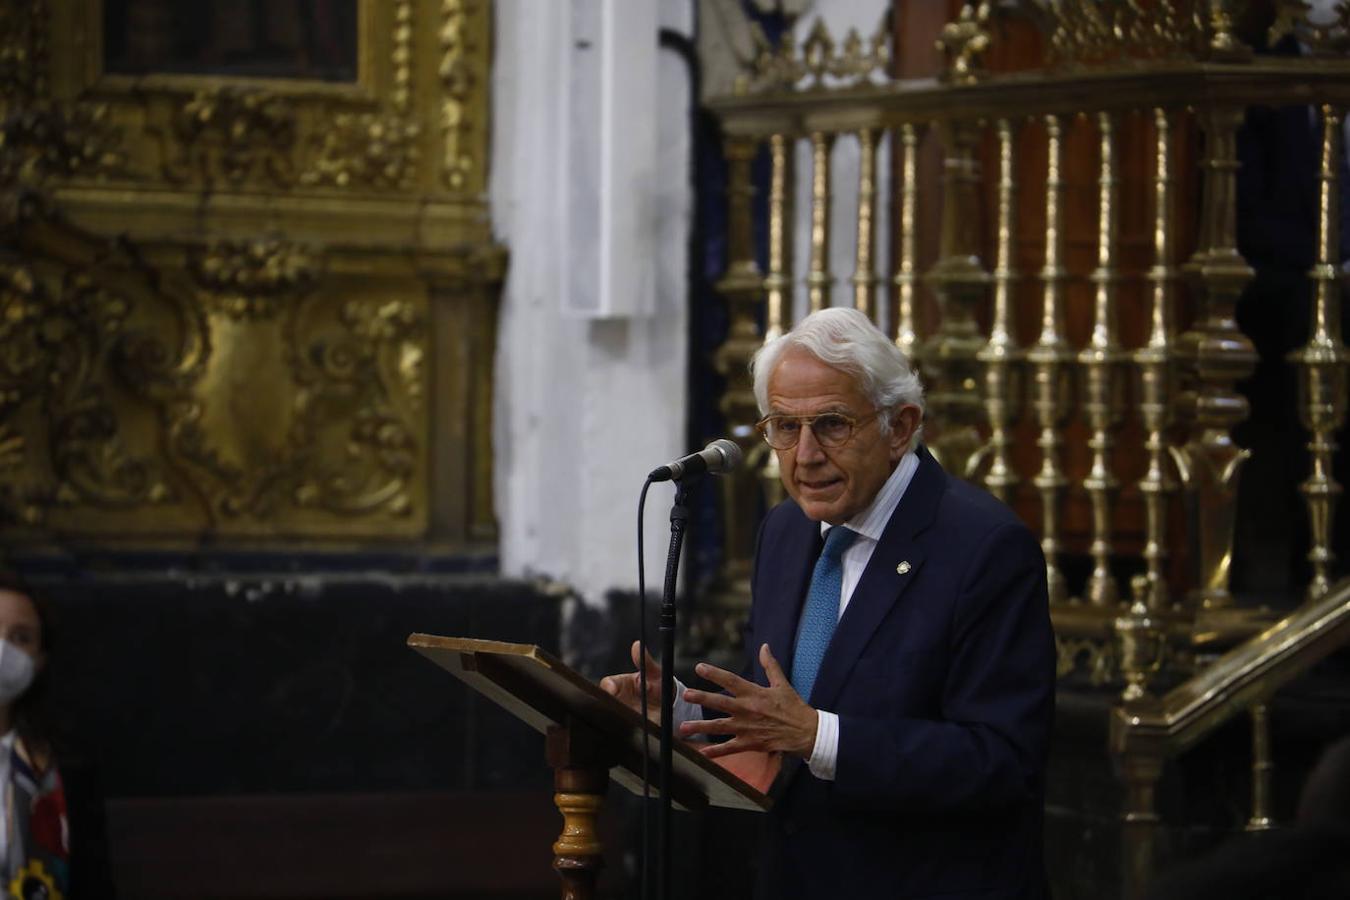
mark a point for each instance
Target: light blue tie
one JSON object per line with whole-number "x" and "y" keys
{"x": 820, "y": 614}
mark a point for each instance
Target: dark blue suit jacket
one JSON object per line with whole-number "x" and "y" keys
{"x": 943, "y": 679}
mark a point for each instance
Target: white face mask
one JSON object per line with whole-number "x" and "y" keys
{"x": 16, "y": 672}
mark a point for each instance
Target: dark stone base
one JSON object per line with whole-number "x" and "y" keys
{"x": 267, "y": 732}
{"x": 212, "y": 684}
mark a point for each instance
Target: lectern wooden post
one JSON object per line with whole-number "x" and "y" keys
{"x": 590, "y": 737}
{"x": 580, "y": 776}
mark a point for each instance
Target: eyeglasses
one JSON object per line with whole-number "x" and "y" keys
{"x": 832, "y": 430}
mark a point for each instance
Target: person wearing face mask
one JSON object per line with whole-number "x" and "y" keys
{"x": 34, "y": 834}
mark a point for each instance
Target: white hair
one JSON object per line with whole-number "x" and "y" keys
{"x": 846, "y": 339}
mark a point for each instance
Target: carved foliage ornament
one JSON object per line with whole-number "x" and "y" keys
{"x": 247, "y": 278}
{"x": 457, "y": 84}
{"x": 367, "y": 149}
{"x": 783, "y": 67}
{"x": 963, "y": 41}
{"x": 256, "y": 403}
{"x": 23, "y": 51}
{"x": 44, "y": 141}
{"x": 39, "y": 139}
{"x": 1080, "y": 32}
{"x": 297, "y": 407}
{"x": 59, "y": 431}
{"x": 1090, "y": 32}
{"x": 231, "y": 135}
{"x": 379, "y": 348}
{"x": 234, "y": 135}
{"x": 374, "y": 149}
{"x": 237, "y": 136}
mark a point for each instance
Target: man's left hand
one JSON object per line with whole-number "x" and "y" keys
{"x": 772, "y": 718}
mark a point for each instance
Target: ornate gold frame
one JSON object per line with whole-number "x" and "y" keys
{"x": 283, "y": 292}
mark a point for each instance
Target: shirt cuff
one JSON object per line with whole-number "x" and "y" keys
{"x": 684, "y": 711}
{"x": 825, "y": 753}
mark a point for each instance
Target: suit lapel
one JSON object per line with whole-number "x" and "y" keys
{"x": 801, "y": 545}
{"x": 883, "y": 581}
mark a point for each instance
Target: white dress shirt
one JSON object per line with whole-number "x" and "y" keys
{"x": 869, "y": 524}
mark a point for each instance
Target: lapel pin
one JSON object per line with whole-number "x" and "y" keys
{"x": 904, "y": 567}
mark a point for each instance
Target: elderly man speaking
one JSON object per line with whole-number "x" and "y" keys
{"x": 901, "y": 658}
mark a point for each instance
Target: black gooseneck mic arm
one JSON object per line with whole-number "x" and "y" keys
{"x": 679, "y": 515}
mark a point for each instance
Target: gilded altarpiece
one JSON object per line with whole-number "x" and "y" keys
{"x": 239, "y": 308}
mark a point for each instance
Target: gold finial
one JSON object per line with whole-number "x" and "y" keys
{"x": 1224, "y": 44}
{"x": 964, "y": 41}
{"x": 1141, "y": 641}
{"x": 817, "y": 51}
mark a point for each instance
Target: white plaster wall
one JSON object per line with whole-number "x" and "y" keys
{"x": 584, "y": 407}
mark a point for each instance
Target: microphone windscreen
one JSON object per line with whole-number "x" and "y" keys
{"x": 731, "y": 453}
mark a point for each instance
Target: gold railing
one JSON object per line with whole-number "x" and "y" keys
{"x": 1171, "y": 73}
{"x": 1147, "y": 731}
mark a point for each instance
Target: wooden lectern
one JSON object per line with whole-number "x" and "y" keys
{"x": 589, "y": 736}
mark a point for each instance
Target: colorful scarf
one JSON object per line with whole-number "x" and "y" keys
{"x": 36, "y": 866}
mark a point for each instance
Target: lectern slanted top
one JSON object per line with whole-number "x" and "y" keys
{"x": 545, "y": 693}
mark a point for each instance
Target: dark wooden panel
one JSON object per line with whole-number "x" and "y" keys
{"x": 441, "y": 844}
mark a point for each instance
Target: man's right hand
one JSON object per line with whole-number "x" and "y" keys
{"x": 627, "y": 689}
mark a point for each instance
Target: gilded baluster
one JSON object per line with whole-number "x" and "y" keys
{"x": 906, "y": 278}
{"x": 1101, "y": 360}
{"x": 1263, "y": 770}
{"x": 1323, "y": 364}
{"x": 778, "y": 289}
{"x": 1154, "y": 361}
{"x": 960, "y": 282}
{"x": 716, "y": 626}
{"x": 778, "y": 283}
{"x": 864, "y": 277}
{"x": 1218, "y": 356}
{"x": 580, "y": 763}
{"x": 819, "y": 281}
{"x": 1048, "y": 358}
{"x": 1139, "y": 822}
{"x": 1141, "y": 642}
{"x": 1000, "y": 355}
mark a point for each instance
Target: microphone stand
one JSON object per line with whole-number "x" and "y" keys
{"x": 679, "y": 515}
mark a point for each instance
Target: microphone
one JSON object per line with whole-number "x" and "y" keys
{"x": 719, "y": 457}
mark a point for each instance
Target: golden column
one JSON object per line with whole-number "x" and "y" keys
{"x": 1000, "y": 356}
{"x": 819, "y": 281}
{"x": 1049, "y": 357}
{"x": 1141, "y": 647}
{"x": 906, "y": 278}
{"x": 864, "y": 276}
{"x": 778, "y": 288}
{"x": 778, "y": 283}
{"x": 717, "y": 624}
{"x": 960, "y": 282}
{"x": 1263, "y": 770}
{"x": 1323, "y": 364}
{"x": 1101, "y": 360}
{"x": 1219, "y": 355}
{"x": 1154, "y": 361}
